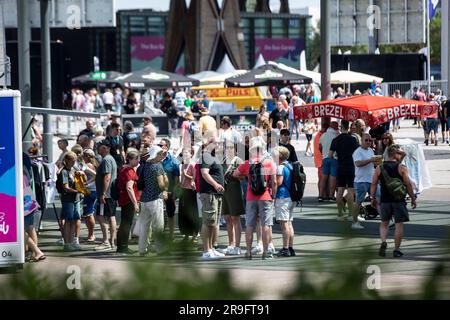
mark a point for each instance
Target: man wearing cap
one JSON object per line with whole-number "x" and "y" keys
{"x": 392, "y": 206}
{"x": 106, "y": 173}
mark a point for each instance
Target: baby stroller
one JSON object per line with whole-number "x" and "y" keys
{"x": 367, "y": 211}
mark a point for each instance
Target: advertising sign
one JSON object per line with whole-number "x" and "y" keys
{"x": 286, "y": 51}
{"x": 11, "y": 188}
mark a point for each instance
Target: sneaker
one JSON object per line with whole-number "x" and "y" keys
{"x": 267, "y": 256}
{"x": 357, "y": 226}
{"x": 210, "y": 255}
{"x": 291, "y": 251}
{"x": 320, "y": 199}
{"x": 361, "y": 219}
{"x": 397, "y": 254}
{"x": 69, "y": 247}
{"x": 105, "y": 246}
{"x": 76, "y": 246}
{"x": 228, "y": 250}
{"x": 257, "y": 250}
{"x": 271, "y": 249}
{"x": 218, "y": 254}
{"x": 283, "y": 253}
{"x": 126, "y": 251}
{"x": 382, "y": 251}
{"x": 60, "y": 242}
{"x": 235, "y": 251}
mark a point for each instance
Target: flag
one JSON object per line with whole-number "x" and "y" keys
{"x": 432, "y": 8}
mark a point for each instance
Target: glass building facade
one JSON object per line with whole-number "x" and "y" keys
{"x": 278, "y": 37}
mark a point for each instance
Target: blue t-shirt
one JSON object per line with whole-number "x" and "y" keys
{"x": 284, "y": 170}
{"x": 171, "y": 166}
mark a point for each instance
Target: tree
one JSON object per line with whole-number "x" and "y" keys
{"x": 313, "y": 47}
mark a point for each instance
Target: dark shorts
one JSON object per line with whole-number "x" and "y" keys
{"x": 233, "y": 202}
{"x": 309, "y": 137}
{"x": 170, "y": 206}
{"x": 431, "y": 125}
{"x": 397, "y": 210}
{"x": 29, "y": 221}
{"x": 444, "y": 124}
{"x": 345, "y": 180}
{"x": 109, "y": 208}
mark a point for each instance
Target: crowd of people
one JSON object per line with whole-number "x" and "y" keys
{"x": 223, "y": 172}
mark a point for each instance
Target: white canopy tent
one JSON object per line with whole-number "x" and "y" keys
{"x": 260, "y": 62}
{"x": 310, "y": 74}
{"x": 347, "y": 76}
{"x": 204, "y": 75}
{"x": 225, "y": 66}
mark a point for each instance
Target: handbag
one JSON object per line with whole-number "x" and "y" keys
{"x": 395, "y": 186}
{"x": 80, "y": 184}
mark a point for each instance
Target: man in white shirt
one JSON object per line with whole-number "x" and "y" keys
{"x": 329, "y": 165}
{"x": 364, "y": 159}
{"x": 108, "y": 100}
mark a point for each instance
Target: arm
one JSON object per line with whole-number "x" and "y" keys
{"x": 205, "y": 174}
{"x": 274, "y": 188}
{"x": 330, "y": 154}
{"x": 373, "y": 187}
{"x": 130, "y": 191}
{"x": 106, "y": 182}
{"x": 320, "y": 147}
{"x": 404, "y": 173}
{"x": 279, "y": 180}
{"x": 363, "y": 163}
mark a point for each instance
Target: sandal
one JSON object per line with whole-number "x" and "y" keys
{"x": 41, "y": 258}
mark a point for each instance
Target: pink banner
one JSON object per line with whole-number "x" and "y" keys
{"x": 281, "y": 50}
{"x": 8, "y": 223}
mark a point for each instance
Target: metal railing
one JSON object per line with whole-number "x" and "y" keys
{"x": 407, "y": 88}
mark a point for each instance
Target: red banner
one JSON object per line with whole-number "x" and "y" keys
{"x": 371, "y": 117}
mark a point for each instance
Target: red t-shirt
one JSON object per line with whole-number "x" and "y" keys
{"x": 126, "y": 174}
{"x": 270, "y": 169}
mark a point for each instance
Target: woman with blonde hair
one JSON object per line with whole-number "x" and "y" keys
{"x": 70, "y": 200}
{"x": 90, "y": 166}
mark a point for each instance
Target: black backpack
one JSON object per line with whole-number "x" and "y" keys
{"x": 298, "y": 182}
{"x": 257, "y": 181}
{"x": 59, "y": 183}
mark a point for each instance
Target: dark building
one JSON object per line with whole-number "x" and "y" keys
{"x": 141, "y": 38}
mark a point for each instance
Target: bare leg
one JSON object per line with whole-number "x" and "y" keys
{"x": 113, "y": 229}
{"x": 291, "y": 234}
{"x": 351, "y": 204}
{"x": 398, "y": 235}
{"x": 249, "y": 239}
{"x": 236, "y": 221}
{"x": 171, "y": 223}
{"x": 104, "y": 228}
{"x": 230, "y": 230}
{"x": 332, "y": 186}
{"x": 323, "y": 186}
{"x": 206, "y": 238}
{"x": 340, "y": 200}
{"x": 286, "y": 233}
{"x": 90, "y": 224}
{"x": 384, "y": 230}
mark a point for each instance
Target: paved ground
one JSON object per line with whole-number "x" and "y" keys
{"x": 319, "y": 239}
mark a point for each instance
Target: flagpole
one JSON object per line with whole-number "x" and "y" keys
{"x": 428, "y": 48}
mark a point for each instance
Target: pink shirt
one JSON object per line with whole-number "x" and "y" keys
{"x": 269, "y": 168}
{"x": 185, "y": 181}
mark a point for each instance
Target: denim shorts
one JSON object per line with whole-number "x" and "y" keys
{"x": 329, "y": 167}
{"x": 89, "y": 204}
{"x": 71, "y": 211}
{"x": 29, "y": 221}
{"x": 362, "y": 189}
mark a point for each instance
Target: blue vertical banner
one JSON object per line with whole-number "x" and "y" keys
{"x": 11, "y": 180}
{"x": 432, "y": 8}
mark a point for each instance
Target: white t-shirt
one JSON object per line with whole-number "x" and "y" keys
{"x": 180, "y": 96}
{"x": 326, "y": 139}
{"x": 230, "y": 135}
{"x": 108, "y": 98}
{"x": 363, "y": 174}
